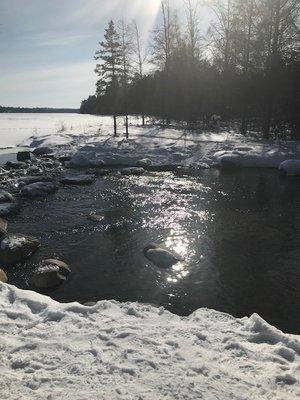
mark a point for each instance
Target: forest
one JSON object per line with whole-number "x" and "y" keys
{"x": 244, "y": 67}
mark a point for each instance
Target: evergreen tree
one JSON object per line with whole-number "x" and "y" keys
{"x": 109, "y": 69}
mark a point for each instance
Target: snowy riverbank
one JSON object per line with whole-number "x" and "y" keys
{"x": 134, "y": 351}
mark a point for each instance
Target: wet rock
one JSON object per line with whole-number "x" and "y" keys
{"x": 40, "y": 151}
{"x": 38, "y": 189}
{"x": 97, "y": 163}
{"x": 162, "y": 168}
{"x": 3, "y": 277}
{"x": 90, "y": 303}
{"x": 160, "y": 257}
{"x": 79, "y": 160}
{"x": 34, "y": 169}
{"x": 7, "y": 209}
{"x": 290, "y": 168}
{"x": 27, "y": 180}
{"x": 6, "y": 197}
{"x": 78, "y": 180}
{"x": 101, "y": 172}
{"x": 50, "y": 274}
{"x": 15, "y": 165}
{"x": 3, "y": 228}
{"x": 230, "y": 161}
{"x": 65, "y": 158}
{"x": 23, "y": 155}
{"x": 145, "y": 162}
{"x": 96, "y": 217}
{"x": 16, "y": 248}
{"x": 132, "y": 171}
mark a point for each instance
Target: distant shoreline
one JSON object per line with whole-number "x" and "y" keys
{"x": 37, "y": 110}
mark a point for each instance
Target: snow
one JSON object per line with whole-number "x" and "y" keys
{"x": 91, "y": 137}
{"x": 134, "y": 351}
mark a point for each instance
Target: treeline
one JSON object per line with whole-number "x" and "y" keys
{"x": 37, "y": 110}
{"x": 246, "y": 68}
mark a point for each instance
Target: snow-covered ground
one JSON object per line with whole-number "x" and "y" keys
{"x": 132, "y": 351}
{"x": 93, "y": 136}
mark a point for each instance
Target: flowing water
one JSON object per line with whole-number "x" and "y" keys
{"x": 238, "y": 233}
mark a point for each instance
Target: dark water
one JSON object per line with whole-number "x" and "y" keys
{"x": 238, "y": 232}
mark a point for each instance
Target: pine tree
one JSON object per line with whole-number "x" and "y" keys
{"x": 110, "y": 55}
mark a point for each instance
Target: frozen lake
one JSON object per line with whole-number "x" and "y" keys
{"x": 17, "y": 127}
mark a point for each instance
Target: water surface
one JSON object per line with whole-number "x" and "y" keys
{"x": 238, "y": 233}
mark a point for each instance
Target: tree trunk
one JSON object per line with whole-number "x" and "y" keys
{"x": 143, "y": 119}
{"x": 126, "y": 126}
{"x": 115, "y": 125}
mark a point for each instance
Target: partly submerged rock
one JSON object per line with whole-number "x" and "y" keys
{"x": 28, "y": 180}
{"x": 290, "y": 168}
{"x": 50, "y": 274}
{"x": 78, "y": 179}
{"x": 16, "y": 248}
{"x": 145, "y": 162}
{"x": 38, "y": 189}
{"x": 230, "y": 161}
{"x": 101, "y": 172}
{"x": 96, "y": 217}
{"x": 3, "y": 277}
{"x": 40, "y": 151}
{"x": 7, "y": 209}
{"x": 132, "y": 171}
{"x": 79, "y": 160}
{"x": 23, "y": 155}
{"x": 161, "y": 257}
{"x": 6, "y": 197}
{"x": 15, "y": 165}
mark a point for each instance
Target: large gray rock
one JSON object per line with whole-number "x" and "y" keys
{"x": 50, "y": 274}
{"x": 144, "y": 163}
{"x": 23, "y": 155}
{"x": 132, "y": 171}
{"x": 160, "y": 257}
{"x": 15, "y": 165}
{"x": 6, "y": 197}
{"x": 78, "y": 179}
{"x": 38, "y": 189}
{"x": 7, "y": 209}
{"x": 79, "y": 160}
{"x": 3, "y": 277}
{"x": 40, "y": 151}
{"x": 29, "y": 179}
{"x": 16, "y": 248}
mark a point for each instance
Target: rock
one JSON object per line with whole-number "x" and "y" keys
{"x": 9, "y": 209}
{"x": 162, "y": 168}
{"x": 65, "y": 158}
{"x": 23, "y": 155}
{"x": 132, "y": 171}
{"x": 97, "y": 163}
{"x": 162, "y": 258}
{"x": 3, "y": 277}
{"x": 40, "y": 151}
{"x": 78, "y": 180}
{"x": 28, "y": 180}
{"x": 50, "y": 274}
{"x": 34, "y": 169}
{"x": 38, "y": 189}
{"x": 79, "y": 160}
{"x": 90, "y": 303}
{"x": 145, "y": 162}
{"x": 6, "y": 197}
{"x": 16, "y": 248}
{"x": 3, "y": 228}
{"x": 230, "y": 161}
{"x": 101, "y": 172}
{"x": 96, "y": 217}
{"x": 15, "y": 165}
{"x": 290, "y": 168}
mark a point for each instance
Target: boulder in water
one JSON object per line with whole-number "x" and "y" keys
{"x": 96, "y": 217}
{"x": 28, "y": 180}
{"x": 160, "y": 257}
{"x": 7, "y": 209}
{"x": 144, "y": 163}
{"x": 79, "y": 160}
{"x": 40, "y": 151}
{"x": 3, "y": 277}
{"x": 6, "y": 197}
{"x": 230, "y": 161}
{"x": 50, "y": 274}
{"x": 290, "y": 168}
{"x": 16, "y": 248}
{"x": 23, "y": 155}
{"x": 132, "y": 171}
{"x": 78, "y": 179}
{"x": 15, "y": 165}
{"x": 38, "y": 189}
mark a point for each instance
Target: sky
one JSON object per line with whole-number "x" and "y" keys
{"x": 47, "y": 46}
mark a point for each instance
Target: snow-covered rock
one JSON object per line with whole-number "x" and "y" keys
{"x": 50, "y": 274}
{"x": 290, "y": 167}
{"x": 16, "y": 248}
{"x": 132, "y": 351}
{"x": 230, "y": 161}
{"x": 78, "y": 179}
{"x": 38, "y": 189}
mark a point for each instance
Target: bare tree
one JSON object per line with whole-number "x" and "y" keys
{"x": 193, "y": 22}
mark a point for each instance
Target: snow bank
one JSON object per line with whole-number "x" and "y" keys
{"x": 134, "y": 351}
